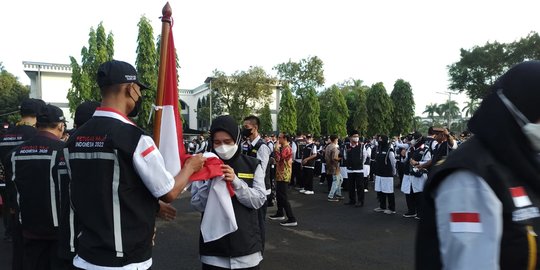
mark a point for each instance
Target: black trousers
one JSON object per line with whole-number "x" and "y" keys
{"x": 211, "y": 267}
{"x": 42, "y": 255}
{"x": 356, "y": 187}
{"x": 17, "y": 243}
{"x": 391, "y": 201}
{"x": 307, "y": 174}
{"x": 283, "y": 201}
{"x": 414, "y": 202}
{"x": 296, "y": 178}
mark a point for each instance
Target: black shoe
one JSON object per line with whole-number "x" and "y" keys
{"x": 359, "y": 204}
{"x": 349, "y": 203}
{"x": 289, "y": 223}
{"x": 276, "y": 217}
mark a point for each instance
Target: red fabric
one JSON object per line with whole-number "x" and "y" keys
{"x": 465, "y": 217}
{"x": 211, "y": 169}
{"x": 517, "y": 192}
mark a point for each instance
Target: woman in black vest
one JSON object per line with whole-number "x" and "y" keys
{"x": 241, "y": 249}
{"x": 481, "y": 207}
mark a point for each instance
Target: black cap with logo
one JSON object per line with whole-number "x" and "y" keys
{"x": 51, "y": 114}
{"x": 117, "y": 72}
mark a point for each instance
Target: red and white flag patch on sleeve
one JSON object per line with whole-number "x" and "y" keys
{"x": 465, "y": 222}
{"x": 519, "y": 196}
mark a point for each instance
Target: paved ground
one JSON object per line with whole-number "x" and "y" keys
{"x": 330, "y": 235}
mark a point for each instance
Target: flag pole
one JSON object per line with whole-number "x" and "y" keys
{"x": 165, "y": 29}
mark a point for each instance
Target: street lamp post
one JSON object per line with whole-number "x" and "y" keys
{"x": 448, "y": 107}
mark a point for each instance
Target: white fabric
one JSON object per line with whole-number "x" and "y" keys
{"x": 463, "y": 191}
{"x": 343, "y": 172}
{"x": 81, "y": 263}
{"x": 366, "y": 170}
{"x": 384, "y": 184}
{"x": 247, "y": 261}
{"x": 168, "y": 140}
{"x": 151, "y": 167}
{"x": 323, "y": 167}
{"x": 218, "y": 210}
{"x": 417, "y": 183}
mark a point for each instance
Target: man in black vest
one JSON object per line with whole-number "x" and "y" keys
{"x": 258, "y": 149}
{"x": 24, "y": 130}
{"x": 241, "y": 249}
{"x": 37, "y": 175}
{"x": 298, "y": 147}
{"x": 354, "y": 161}
{"x": 481, "y": 203}
{"x": 116, "y": 168}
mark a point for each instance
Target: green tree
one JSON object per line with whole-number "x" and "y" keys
{"x": 431, "y": 110}
{"x": 336, "y": 117}
{"x": 265, "y": 115}
{"x": 302, "y": 76}
{"x": 12, "y": 93}
{"x": 287, "y": 112}
{"x": 83, "y": 83}
{"x": 241, "y": 91}
{"x": 355, "y": 96}
{"x": 403, "y": 104}
{"x": 147, "y": 69}
{"x": 470, "y": 107}
{"x": 309, "y": 109}
{"x": 450, "y": 111}
{"x": 325, "y": 105}
{"x": 379, "y": 108}
{"x": 480, "y": 66}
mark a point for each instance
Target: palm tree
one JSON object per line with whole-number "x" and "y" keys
{"x": 450, "y": 111}
{"x": 431, "y": 109}
{"x": 470, "y": 107}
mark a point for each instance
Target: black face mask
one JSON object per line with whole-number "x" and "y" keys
{"x": 246, "y": 132}
{"x": 137, "y": 107}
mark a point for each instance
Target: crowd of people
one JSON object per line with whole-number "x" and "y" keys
{"x": 88, "y": 198}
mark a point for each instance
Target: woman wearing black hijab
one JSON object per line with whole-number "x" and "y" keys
{"x": 481, "y": 202}
{"x": 241, "y": 249}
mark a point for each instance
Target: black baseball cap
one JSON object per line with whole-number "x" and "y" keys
{"x": 117, "y": 72}
{"x": 51, "y": 114}
{"x": 31, "y": 106}
{"x": 85, "y": 111}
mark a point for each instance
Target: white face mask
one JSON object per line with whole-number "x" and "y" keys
{"x": 355, "y": 139}
{"x": 413, "y": 142}
{"x": 226, "y": 151}
{"x": 531, "y": 130}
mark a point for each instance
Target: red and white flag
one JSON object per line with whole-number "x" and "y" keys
{"x": 465, "y": 222}
{"x": 171, "y": 143}
{"x": 519, "y": 196}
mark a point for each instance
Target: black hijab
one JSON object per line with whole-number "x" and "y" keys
{"x": 499, "y": 131}
{"x": 228, "y": 124}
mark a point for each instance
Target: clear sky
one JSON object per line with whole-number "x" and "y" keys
{"x": 375, "y": 41}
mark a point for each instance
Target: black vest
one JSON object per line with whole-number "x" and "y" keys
{"x": 252, "y": 152}
{"x": 38, "y": 179}
{"x": 354, "y": 158}
{"x": 383, "y": 166}
{"x": 300, "y": 145}
{"x": 115, "y": 209}
{"x": 515, "y": 245}
{"x": 247, "y": 239}
{"x": 308, "y": 149}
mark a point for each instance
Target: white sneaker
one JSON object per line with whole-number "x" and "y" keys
{"x": 365, "y": 190}
{"x": 378, "y": 209}
{"x": 389, "y": 212}
{"x": 302, "y": 191}
{"x": 309, "y": 192}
